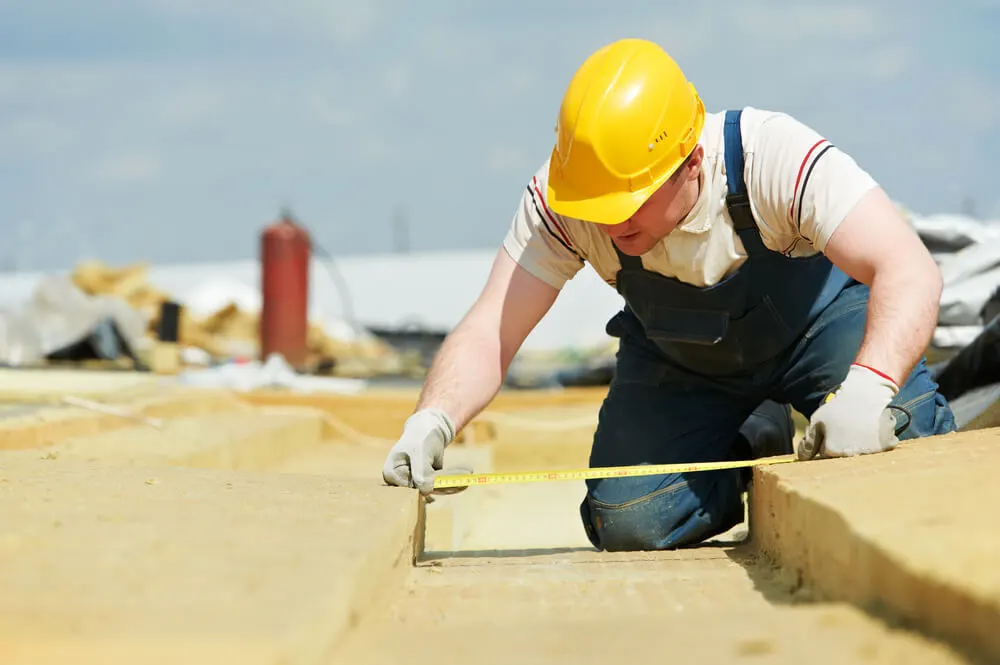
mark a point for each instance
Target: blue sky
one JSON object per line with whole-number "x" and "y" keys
{"x": 173, "y": 130}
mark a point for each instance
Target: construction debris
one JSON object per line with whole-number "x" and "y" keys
{"x": 61, "y": 323}
{"x": 231, "y": 332}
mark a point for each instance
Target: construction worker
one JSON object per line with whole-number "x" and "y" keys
{"x": 761, "y": 269}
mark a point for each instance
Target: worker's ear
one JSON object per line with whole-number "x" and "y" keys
{"x": 692, "y": 165}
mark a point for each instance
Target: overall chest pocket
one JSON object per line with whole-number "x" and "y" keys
{"x": 688, "y": 326}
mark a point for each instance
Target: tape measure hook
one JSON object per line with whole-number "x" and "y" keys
{"x": 452, "y": 489}
{"x": 449, "y": 490}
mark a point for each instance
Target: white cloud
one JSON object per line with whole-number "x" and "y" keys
{"x": 352, "y": 21}
{"x": 975, "y": 104}
{"x": 128, "y": 168}
{"x": 348, "y": 22}
{"x": 683, "y": 37}
{"x": 375, "y": 148}
{"x": 183, "y": 9}
{"x": 508, "y": 159}
{"x": 890, "y": 61}
{"x": 330, "y": 103}
{"x": 331, "y": 114}
{"x": 775, "y": 24}
{"x": 192, "y": 105}
{"x": 33, "y": 136}
{"x": 397, "y": 80}
{"x": 509, "y": 83}
{"x": 48, "y": 84}
{"x": 443, "y": 43}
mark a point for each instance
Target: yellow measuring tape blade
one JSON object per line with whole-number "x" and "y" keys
{"x": 470, "y": 479}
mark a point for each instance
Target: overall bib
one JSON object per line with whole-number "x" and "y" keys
{"x": 749, "y": 317}
{"x": 694, "y": 363}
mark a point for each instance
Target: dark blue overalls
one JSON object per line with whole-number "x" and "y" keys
{"x": 695, "y": 363}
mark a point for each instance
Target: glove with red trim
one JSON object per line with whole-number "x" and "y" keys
{"x": 854, "y": 419}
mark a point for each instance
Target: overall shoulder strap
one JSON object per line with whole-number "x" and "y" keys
{"x": 737, "y": 199}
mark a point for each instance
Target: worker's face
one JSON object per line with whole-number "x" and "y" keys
{"x": 662, "y": 211}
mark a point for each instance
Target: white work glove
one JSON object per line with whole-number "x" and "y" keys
{"x": 854, "y": 419}
{"x": 419, "y": 452}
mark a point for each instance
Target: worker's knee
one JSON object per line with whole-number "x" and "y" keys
{"x": 921, "y": 407}
{"x": 621, "y": 514}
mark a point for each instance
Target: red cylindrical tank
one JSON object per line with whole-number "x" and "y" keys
{"x": 285, "y": 251}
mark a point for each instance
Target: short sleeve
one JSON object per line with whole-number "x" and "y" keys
{"x": 539, "y": 240}
{"x": 801, "y": 185}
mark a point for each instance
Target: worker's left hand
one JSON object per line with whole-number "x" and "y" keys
{"x": 854, "y": 420}
{"x": 419, "y": 452}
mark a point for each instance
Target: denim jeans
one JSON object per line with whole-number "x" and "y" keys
{"x": 656, "y": 414}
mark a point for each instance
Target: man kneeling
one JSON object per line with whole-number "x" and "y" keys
{"x": 760, "y": 267}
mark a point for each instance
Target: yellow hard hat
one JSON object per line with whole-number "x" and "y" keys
{"x": 628, "y": 120}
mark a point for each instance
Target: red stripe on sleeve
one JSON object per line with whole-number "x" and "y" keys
{"x": 552, "y": 218}
{"x": 798, "y": 178}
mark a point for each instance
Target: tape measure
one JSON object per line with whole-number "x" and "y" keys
{"x": 464, "y": 480}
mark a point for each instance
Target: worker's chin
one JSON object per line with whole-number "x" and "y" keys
{"x": 633, "y": 245}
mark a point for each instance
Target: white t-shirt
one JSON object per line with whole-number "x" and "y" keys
{"x": 800, "y": 186}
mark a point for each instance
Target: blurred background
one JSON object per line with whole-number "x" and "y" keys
{"x": 145, "y": 145}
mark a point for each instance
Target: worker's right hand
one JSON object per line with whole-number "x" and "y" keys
{"x": 855, "y": 419}
{"x": 419, "y": 452}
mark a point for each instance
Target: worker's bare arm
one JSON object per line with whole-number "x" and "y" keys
{"x": 471, "y": 364}
{"x": 875, "y": 245}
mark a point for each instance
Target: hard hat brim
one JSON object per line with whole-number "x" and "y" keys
{"x": 608, "y": 209}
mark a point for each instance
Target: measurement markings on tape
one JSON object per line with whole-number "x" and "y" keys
{"x": 470, "y": 479}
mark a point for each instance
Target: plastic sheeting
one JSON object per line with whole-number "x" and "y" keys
{"x": 276, "y": 373}
{"x": 968, "y": 254}
{"x": 61, "y": 320}
{"x": 962, "y": 302}
{"x": 946, "y": 234}
{"x": 971, "y": 276}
